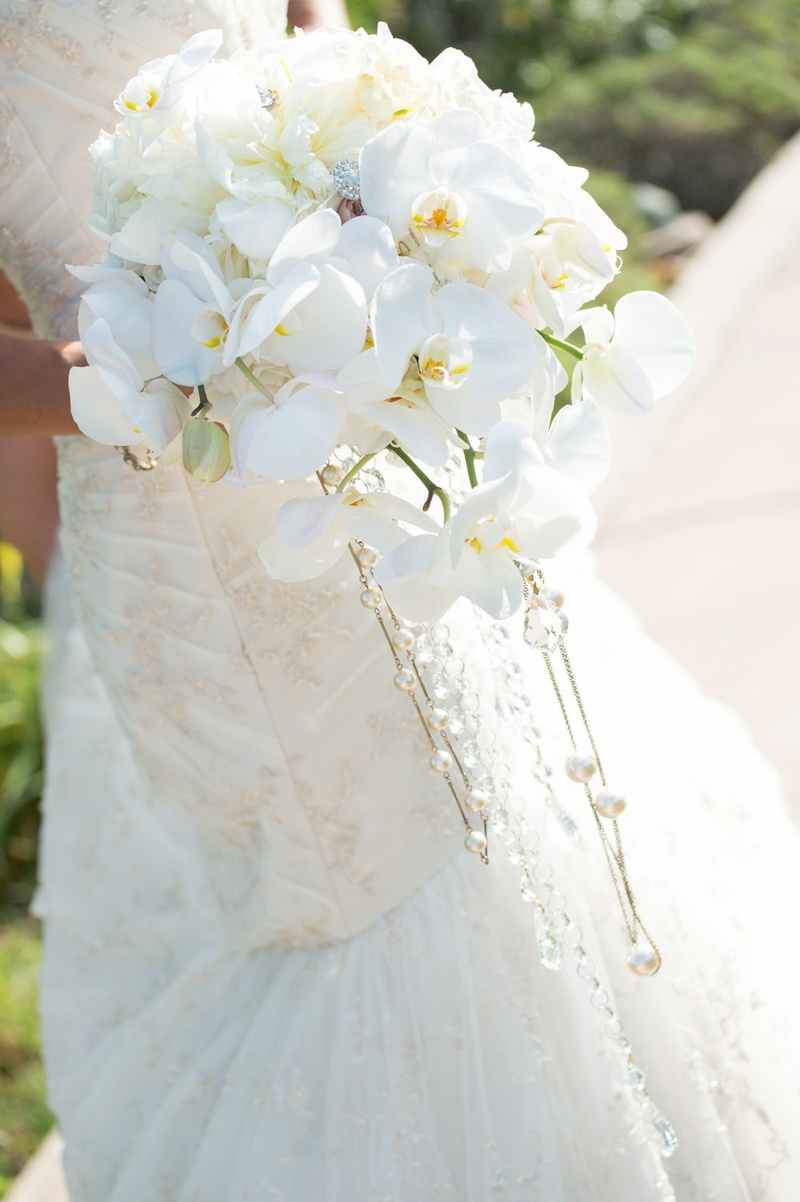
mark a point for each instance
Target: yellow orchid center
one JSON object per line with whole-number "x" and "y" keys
{"x": 139, "y": 96}
{"x": 439, "y": 213}
{"x": 444, "y": 360}
{"x": 211, "y": 329}
{"x": 486, "y": 528}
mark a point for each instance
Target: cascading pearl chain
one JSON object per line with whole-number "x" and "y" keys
{"x": 546, "y": 627}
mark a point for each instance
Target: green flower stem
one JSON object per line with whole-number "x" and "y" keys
{"x": 433, "y": 489}
{"x": 245, "y": 370}
{"x": 575, "y": 351}
{"x": 204, "y": 404}
{"x": 469, "y": 459}
{"x": 355, "y": 470}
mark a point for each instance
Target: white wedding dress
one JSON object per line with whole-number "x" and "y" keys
{"x": 271, "y": 970}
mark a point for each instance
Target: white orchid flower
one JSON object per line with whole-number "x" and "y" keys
{"x": 633, "y": 358}
{"x": 522, "y": 512}
{"x": 113, "y": 404}
{"x": 288, "y": 438}
{"x": 472, "y": 351}
{"x": 310, "y": 313}
{"x": 155, "y": 91}
{"x": 403, "y": 413}
{"x": 312, "y": 533}
{"x": 446, "y": 181}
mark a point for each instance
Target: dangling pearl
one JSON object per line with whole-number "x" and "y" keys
{"x": 476, "y": 842}
{"x": 403, "y": 640}
{"x": 404, "y": 680}
{"x": 367, "y": 557}
{"x": 331, "y": 474}
{"x": 609, "y": 805}
{"x": 438, "y": 719}
{"x": 371, "y": 598}
{"x": 644, "y": 961}
{"x": 441, "y": 761}
{"x": 476, "y": 800}
{"x": 580, "y": 768}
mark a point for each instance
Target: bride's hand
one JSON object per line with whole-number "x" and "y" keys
{"x": 34, "y": 390}
{"x": 311, "y": 14}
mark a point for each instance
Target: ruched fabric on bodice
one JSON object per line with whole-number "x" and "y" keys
{"x": 265, "y": 710}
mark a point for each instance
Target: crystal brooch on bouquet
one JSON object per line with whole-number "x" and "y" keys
{"x": 268, "y": 97}
{"x": 347, "y": 179}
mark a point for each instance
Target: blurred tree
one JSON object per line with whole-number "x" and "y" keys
{"x": 692, "y": 95}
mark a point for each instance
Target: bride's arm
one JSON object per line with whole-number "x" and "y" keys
{"x": 34, "y": 394}
{"x": 28, "y": 500}
{"x": 311, "y": 14}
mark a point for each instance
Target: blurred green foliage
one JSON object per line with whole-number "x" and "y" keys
{"x": 692, "y": 95}
{"x": 20, "y": 733}
{"x": 24, "y": 1116}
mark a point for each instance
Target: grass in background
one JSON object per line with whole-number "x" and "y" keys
{"x": 24, "y": 1116}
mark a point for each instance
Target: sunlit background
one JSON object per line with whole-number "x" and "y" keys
{"x": 674, "y": 105}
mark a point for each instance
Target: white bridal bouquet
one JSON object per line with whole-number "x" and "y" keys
{"x": 328, "y": 246}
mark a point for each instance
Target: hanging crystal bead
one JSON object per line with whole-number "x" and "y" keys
{"x": 551, "y": 951}
{"x": 665, "y": 1129}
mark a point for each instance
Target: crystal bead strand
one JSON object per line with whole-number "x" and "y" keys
{"x": 515, "y": 707}
{"x": 553, "y": 926}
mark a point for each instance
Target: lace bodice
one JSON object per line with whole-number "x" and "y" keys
{"x": 259, "y": 709}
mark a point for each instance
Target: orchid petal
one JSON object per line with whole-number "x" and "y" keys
{"x": 131, "y": 313}
{"x": 368, "y": 249}
{"x": 489, "y": 579}
{"x": 505, "y": 348}
{"x": 250, "y": 326}
{"x": 312, "y": 240}
{"x": 330, "y": 324}
{"x": 300, "y": 521}
{"x": 178, "y": 353}
{"x": 297, "y": 437}
{"x": 255, "y": 229}
{"x": 247, "y": 425}
{"x": 306, "y": 563}
{"x": 394, "y": 170}
{"x": 102, "y": 350}
{"x": 96, "y": 409}
{"x": 579, "y": 444}
{"x": 651, "y": 329}
{"x": 614, "y": 378}
{"x": 401, "y": 318}
{"x": 402, "y": 574}
{"x": 509, "y": 448}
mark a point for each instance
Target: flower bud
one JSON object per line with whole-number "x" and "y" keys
{"x": 206, "y": 450}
